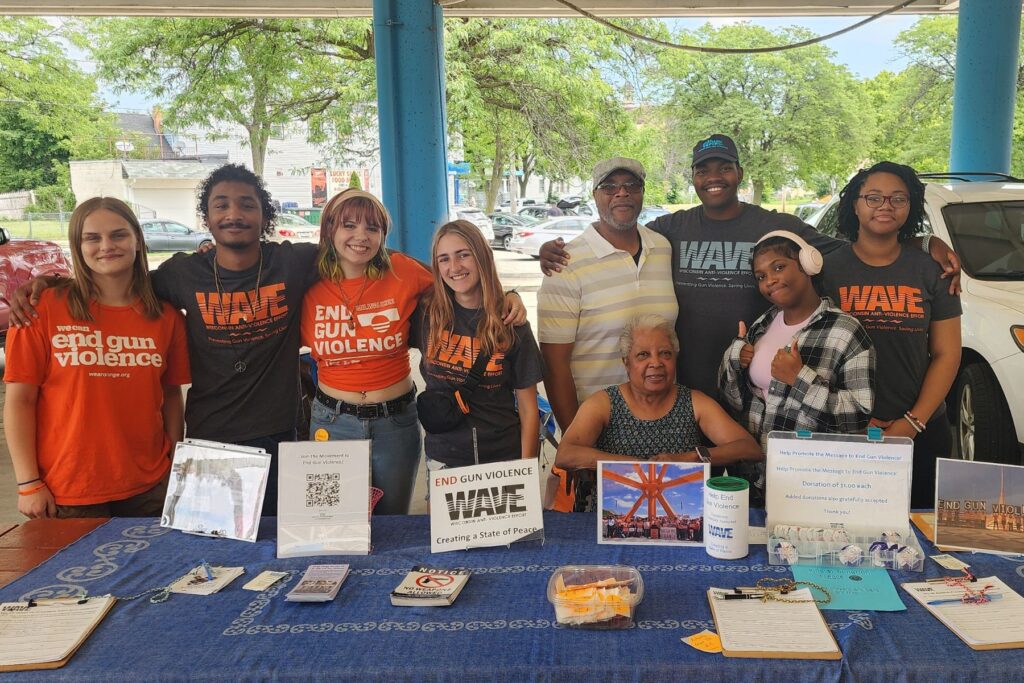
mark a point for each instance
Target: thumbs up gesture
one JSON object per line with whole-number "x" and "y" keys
{"x": 747, "y": 352}
{"x": 787, "y": 363}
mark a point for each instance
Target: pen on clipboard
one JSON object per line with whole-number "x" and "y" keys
{"x": 956, "y": 601}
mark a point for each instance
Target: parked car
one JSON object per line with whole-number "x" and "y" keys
{"x": 506, "y": 206}
{"x": 474, "y": 216}
{"x": 984, "y": 223}
{"x": 528, "y": 240}
{"x": 504, "y": 225}
{"x": 804, "y": 211}
{"x": 649, "y": 213}
{"x": 20, "y": 261}
{"x": 165, "y": 235}
{"x": 538, "y": 211}
{"x": 288, "y": 226}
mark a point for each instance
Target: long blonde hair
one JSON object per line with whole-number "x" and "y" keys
{"x": 356, "y": 205}
{"x": 492, "y": 333}
{"x": 82, "y": 288}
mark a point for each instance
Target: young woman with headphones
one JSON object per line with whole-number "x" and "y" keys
{"x": 804, "y": 364}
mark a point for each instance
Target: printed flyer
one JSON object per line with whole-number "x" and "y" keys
{"x": 323, "y": 503}
{"x": 485, "y": 505}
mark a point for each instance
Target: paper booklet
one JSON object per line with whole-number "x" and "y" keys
{"x": 216, "y": 489}
{"x": 45, "y": 634}
{"x": 430, "y": 587}
{"x": 323, "y": 498}
{"x": 994, "y": 625}
{"x": 199, "y": 582}
{"x": 320, "y": 583}
{"x": 750, "y": 627}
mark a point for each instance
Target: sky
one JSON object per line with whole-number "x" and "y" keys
{"x": 865, "y": 51}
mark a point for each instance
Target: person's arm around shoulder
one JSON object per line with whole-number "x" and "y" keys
{"x": 26, "y": 297}
{"x": 576, "y": 450}
{"x": 20, "y": 425}
{"x": 732, "y": 442}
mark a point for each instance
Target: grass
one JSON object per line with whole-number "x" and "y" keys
{"x": 37, "y": 229}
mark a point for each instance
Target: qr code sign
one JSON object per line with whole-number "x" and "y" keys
{"x": 323, "y": 489}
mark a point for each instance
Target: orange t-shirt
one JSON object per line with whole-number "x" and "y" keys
{"x": 366, "y": 348}
{"x": 99, "y": 428}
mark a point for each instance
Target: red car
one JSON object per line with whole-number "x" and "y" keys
{"x": 21, "y": 260}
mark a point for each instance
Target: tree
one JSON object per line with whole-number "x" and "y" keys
{"x": 527, "y": 96}
{"x": 48, "y": 107}
{"x": 353, "y": 181}
{"x": 915, "y": 106}
{"x": 256, "y": 73}
{"x": 791, "y": 113}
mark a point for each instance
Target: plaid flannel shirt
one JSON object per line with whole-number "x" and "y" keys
{"x": 834, "y": 390}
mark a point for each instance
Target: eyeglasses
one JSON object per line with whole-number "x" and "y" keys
{"x": 632, "y": 187}
{"x": 877, "y": 201}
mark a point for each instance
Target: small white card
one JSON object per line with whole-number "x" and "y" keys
{"x": 198, "y": 581}
{"x": 950, "y": 562}
{"x": 264, "y": 581}
{"x": 485, "y": 505}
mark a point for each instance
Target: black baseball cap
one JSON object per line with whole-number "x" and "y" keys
{"x": 715, "y": 147}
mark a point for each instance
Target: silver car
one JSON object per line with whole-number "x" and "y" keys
{"x": 474, "y": 216}
{"x": 528, "y": 240}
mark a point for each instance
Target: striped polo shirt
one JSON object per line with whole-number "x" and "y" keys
{"x": 593, "y": 298}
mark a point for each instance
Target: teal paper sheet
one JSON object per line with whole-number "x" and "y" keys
{"x": 867, "y": 588}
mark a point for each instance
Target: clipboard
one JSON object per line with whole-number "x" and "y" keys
{"x": 779, "y": 612}
{"x": 45, "y": 634}
{"x": 1008, "y": 609}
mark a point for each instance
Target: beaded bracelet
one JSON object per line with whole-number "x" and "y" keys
{"x": 32, "y": 490}
{"x": 25, "y": 483}
{"x": 914, "y": 422}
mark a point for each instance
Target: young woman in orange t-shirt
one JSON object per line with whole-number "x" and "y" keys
{"x": 94, "y": 401}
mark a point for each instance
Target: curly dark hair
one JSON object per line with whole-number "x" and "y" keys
{"x": 849, "y": 224}
{"x": 238, "y": 174}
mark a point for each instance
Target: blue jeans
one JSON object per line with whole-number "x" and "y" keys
{"x": 394, "y": 453}
{"x": 270, "y": 444}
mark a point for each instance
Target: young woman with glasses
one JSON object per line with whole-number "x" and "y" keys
{"x": 896, "y": 293}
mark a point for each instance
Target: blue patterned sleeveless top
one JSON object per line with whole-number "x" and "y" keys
{"x": 626, "y": 434}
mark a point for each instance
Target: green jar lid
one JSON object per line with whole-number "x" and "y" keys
{"x": 727, "y": 484}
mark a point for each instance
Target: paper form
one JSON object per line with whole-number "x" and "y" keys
{"x": 49, "y": 631}
{"x": 753, "y": 625}
{"x": 997, "y": 622}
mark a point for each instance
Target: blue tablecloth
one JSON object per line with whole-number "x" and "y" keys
{"x": 501, "y": 627}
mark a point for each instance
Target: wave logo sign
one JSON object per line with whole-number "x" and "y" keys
{"x": 708, "y": 144}
{"x": 380, "y": 321}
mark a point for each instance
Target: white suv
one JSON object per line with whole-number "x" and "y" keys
{"x": 984, "y": 223}
{"x": 474, "y": 216}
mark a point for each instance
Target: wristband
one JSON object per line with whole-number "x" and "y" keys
{"x": 913, "y": 418}
{"x": 703, "y": 453}
{"x": 913, "y": 424}
{"x": 32, "y": 490}
{"x": 24, "y": 483}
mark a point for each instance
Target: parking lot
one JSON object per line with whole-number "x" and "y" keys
{"x": 520, "y": 272}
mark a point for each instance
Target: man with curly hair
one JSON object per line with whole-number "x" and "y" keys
{"x": 242, "y": 302}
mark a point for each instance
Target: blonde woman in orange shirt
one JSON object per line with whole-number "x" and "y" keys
{"x": 94, "y": 404}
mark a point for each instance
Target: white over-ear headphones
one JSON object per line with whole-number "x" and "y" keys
{"x": 809, "y": 257}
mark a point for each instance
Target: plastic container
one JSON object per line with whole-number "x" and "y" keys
{"x": 595, "y": 596}
{"x": 858, "y": 548}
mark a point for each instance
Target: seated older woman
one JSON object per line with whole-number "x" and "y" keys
{"x": 650, "y": 417}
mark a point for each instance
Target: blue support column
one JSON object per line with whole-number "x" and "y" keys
{"x": 985, "y": 90}
{"x": 409, "y": 45}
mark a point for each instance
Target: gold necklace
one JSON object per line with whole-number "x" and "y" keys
{"x": 349, "y": 306}
{"x": 773, "y": 589}
{"x": 240, "y": 363}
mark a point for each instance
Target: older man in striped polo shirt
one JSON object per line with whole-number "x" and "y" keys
{"x": 617, "y": 269}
